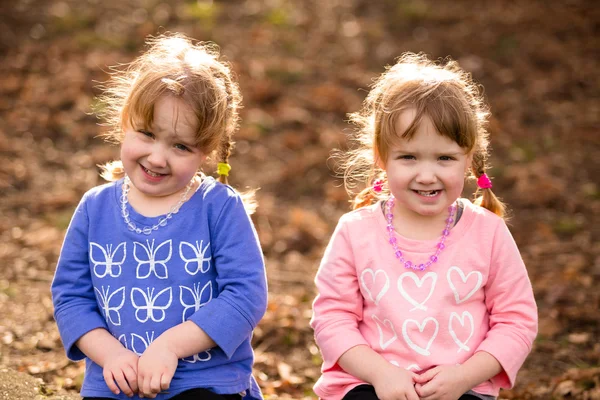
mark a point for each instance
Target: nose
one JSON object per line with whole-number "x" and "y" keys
{"x": 426, "y": 175}
{"x": 157, "y": 156}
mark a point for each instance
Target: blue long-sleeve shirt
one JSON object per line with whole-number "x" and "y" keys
{"x": 205, "y": 266}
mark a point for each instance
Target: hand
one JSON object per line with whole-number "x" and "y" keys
{"x": 444, "y": 382}
{"x": 122, "y": 369}
{"x": 156, "y": 368}
{"x": 395, "y": 383}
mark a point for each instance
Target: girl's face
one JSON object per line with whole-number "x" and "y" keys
{"x": 425, "y": 174}
{"x": 162, "y": 159}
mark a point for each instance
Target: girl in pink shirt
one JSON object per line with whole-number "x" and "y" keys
{"x": 423, "y": 295}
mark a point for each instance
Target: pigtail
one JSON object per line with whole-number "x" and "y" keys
{"x": 230, "y": 116}
{"x": 112, "y": 171}
{"x": 223, "y": 166}
{"x": 487, "y": 199}
{"x": 231, "y": 121}
{"x": 364, "y": 198}
{"x": 372, "y": 193}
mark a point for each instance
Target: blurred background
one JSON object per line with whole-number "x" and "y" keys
{"x": 302, "y": 66}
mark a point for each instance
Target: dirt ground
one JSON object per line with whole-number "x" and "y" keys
{"x": 303, "y": 65}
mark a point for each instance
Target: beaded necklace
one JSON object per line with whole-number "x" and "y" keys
{"x": 389, "y": 215}
{"x": 147, "y": 230}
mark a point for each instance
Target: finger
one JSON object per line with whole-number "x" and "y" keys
{"x": 144, "y": 385}
{"x": 110, "y": 382}
{"x": 427, "y": 390}
{"x": 140, "y": 383}
{"x": 418, "y": 389}
{"x": 122, "y": 382}
{"x": 412, "y": 395}
{"x": 131, "y": 377}
{"x": 155, "y": 383}
{"x": 165, "y": 380}
{"x": 427, "y": 376}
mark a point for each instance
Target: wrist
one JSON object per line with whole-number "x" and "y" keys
{"x": 466, "y": 379}
{"x": 170, "y": 343}
{"x": 162, "y": 344}
{"x": 480, "y": 367}
{"x": 382, "y": 372}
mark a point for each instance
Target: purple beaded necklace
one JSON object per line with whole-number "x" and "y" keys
{"x": 389, "y": 215}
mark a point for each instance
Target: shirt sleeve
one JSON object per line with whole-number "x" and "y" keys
{"x": 230, "y": 318}
{"x": 75, "y": 307}
{"x": 338, "y": 307}
{"x": 512, "y": 309}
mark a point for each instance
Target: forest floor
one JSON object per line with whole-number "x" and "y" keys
{"x": 302, "y": 66}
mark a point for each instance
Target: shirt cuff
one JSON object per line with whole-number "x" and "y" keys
{"x": 73, "y": 324}
{"x": 224, "y": 323}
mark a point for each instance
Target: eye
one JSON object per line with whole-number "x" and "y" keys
{"x": 406, "y": 157}
{"x": 181, "y": 147}
{"x": 146, "y": 133}
{"x": 446, "y": 158}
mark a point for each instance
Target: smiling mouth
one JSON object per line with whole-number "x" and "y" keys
{"x": 151, "y": 173}
{"x": 427, "y": 193}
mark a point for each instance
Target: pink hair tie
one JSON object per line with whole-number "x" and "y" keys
{"x": 484, "y": 182}
{"x": 378, "y": 186}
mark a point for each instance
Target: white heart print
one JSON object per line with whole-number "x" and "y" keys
{"x": 410, "y": 367}
{"x": 464, "y": 280}
{"x": 373, "y": 286}
{"x": 419, "y": 283}
{"x": 421, "y": 350}
{"x": 461, "y": 319}
{"x": 386, "y": 330}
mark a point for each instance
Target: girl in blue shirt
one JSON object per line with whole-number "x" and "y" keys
{"x": 161, "y": 280}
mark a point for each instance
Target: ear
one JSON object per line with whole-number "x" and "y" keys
{"x": 469, "y": 162}
{"x": 378, "y": 161}
{"x": 203, "y": 157}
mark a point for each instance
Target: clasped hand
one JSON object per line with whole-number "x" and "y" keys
{"x": 444, "y": 382}
{"x": 147, "y": 375}
{"x": 394, "y": 383}
{"x": 440, "y": 383}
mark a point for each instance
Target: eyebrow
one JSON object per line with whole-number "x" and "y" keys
{"x": 172, "y": 134}
{"x": 442, "y": 153}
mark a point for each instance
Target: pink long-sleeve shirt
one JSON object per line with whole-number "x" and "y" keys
{"x": 477, "y": 297}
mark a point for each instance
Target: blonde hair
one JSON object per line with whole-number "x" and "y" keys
{"x": 177, "y": 66}
{"x": 441, "y": 91}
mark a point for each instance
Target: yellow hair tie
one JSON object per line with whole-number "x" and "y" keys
{"x": 223, "y": 168}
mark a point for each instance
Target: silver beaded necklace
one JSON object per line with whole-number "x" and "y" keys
{"x": 147, "y": 230}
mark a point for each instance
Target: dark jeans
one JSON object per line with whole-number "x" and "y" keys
{"x": 367, "y": 392}
{"x": 193, "y": 394}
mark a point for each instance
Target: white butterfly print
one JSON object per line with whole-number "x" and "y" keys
{"x": 202, "y": 357}
{"x": 104, "y": 262}
{"x": 111, "y": 303}
{"x": 199, "y": 259}
{"x": 139, "y": 344}
{"x": 151, "y": 304}
{"x": 123, "y": 340}
{"x": 195, "y": 296}
{"x": 152, "y": 262}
